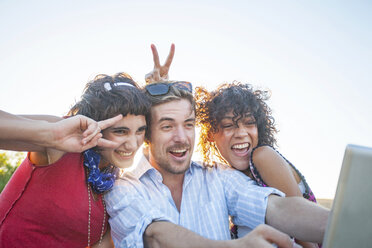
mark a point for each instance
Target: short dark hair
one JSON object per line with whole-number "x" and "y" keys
{"x": 103, "y": 98}
{"x": 240, "y": 99}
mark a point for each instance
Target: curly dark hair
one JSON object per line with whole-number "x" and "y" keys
{"x": 240, "y": 98}
{"x": 103, "y": 98}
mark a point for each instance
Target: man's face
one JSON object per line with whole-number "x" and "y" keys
{"x": 172, "y": 136}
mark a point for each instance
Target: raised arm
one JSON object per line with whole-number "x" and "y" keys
{"x": 20, "y": 133}
{"x": 73, "y": 134}
{"x": 166, "y": 234}
{"x": 79, "y": 133}
{"x": 160, "y": 72}
{"x": 48, "y": 118}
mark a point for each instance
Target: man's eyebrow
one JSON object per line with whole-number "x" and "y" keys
{"x": 190, "y": 119}
{"x": 166, "y": 119}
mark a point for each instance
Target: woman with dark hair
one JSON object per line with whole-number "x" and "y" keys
{"x": 237, "y": 129}
{"x": 55, "y": 197}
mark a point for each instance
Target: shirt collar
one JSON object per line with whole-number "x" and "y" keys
{"x": 144, "y": 166}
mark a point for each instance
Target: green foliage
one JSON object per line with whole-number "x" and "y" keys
{"x": 9, "y": 161}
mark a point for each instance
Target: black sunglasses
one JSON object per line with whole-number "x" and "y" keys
{"x": 162, "y": 88}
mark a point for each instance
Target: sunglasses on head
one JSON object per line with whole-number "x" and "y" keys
{"x": 162, "y": 88}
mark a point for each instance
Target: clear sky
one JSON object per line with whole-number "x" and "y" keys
{"x": 314, "y": 56}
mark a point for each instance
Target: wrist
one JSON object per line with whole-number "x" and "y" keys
{"x": 45, "y": 134}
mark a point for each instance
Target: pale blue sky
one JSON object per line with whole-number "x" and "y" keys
{"x": 315, "y": 57}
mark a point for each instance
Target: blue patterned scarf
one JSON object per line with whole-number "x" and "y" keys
{"x": 100, "y": 181}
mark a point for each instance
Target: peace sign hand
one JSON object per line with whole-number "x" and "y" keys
{"x": 160, "y": 72}
{"x": 79, "y": 133}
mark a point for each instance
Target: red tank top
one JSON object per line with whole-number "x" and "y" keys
{"x": 48, "y": 206}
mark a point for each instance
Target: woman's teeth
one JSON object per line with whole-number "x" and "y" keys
{"x": 125, "y": 154}
{"x": 240, "y": 146}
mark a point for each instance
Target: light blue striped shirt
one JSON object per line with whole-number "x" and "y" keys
{"x": 209, "y": 196}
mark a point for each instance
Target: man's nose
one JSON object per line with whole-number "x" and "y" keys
{"x": 180, "y": 135}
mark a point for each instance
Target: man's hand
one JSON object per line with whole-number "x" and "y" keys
{"x": 160, "y": 72}
{"x": 79, "y": 133}
{"x": 166, "y": 234}
{"x": 265, "y": 236}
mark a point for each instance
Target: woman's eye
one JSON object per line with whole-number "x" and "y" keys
{"x": 121, "y": 132}
{"x": 248, "y": 123}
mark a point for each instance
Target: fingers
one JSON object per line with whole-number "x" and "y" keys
{"x": 97, "y": 140}
{"x": 91, "y": 135}
{"x": 277, "y": 237}
{"x": 169, "y": 60}
{"x": 155, "y": 56}
{"x": 153, "y": 76}
{"x": 160, "y": 73}
{"x": 149, "y": 78}
{"x": 156, "y": 75}
{"x": 91, "y": 142}
{"x": 109, "y": 122}
{"x": 89, "y": 127}
{"x": 93, "y": 131}
{"x": 104, "y": 143}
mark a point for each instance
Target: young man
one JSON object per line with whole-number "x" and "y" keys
{"x": 167, "y": 192}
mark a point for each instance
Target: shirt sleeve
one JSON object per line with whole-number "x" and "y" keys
{"x": 130, "y": 213}
{"x": 247, "y": 202}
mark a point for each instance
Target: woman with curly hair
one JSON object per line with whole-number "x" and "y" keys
{"x": 237, "y": 129}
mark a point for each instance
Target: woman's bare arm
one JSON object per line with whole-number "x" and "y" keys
{"x": 74, "y": 134}
{"x": 275, "y": 171}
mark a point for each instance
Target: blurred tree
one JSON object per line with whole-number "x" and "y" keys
{"x": 9, "y": 161}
